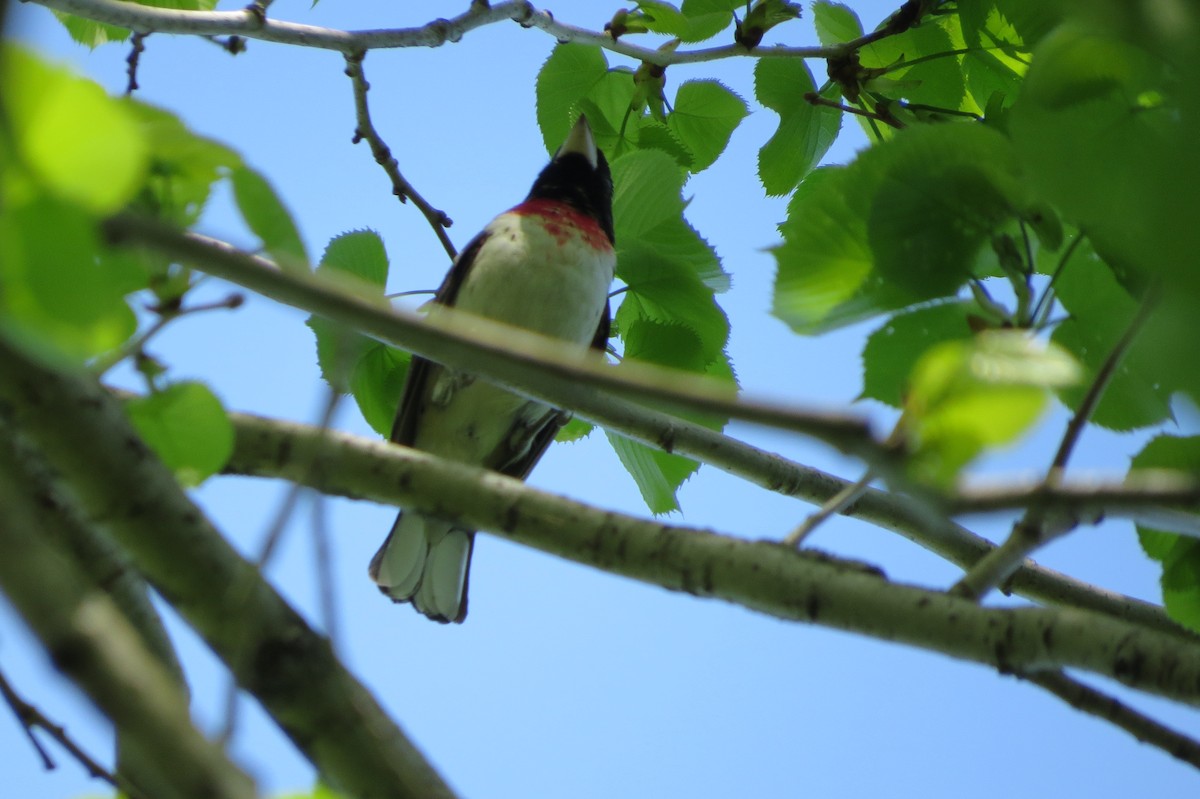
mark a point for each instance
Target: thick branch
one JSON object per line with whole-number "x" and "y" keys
{"x": 293, "y": 672}
{"x": 763, "y": 576}
{"x": 573, "y": 389}
{"x": 91, "y": 642}
{"x": 59, "y": 520}
{"x": 527, "y": 363}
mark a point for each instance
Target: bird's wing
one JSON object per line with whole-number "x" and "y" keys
{"x": 521, "y": 465}
{"x": 404, "y": 429}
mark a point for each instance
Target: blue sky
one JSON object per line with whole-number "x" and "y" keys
{"x": 566, "y": 681}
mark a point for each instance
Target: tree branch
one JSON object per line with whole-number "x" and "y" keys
{"x": 90, "y": 641}
{"x": 518, "y": 359}
{"x": 763, "y": 576}
{"x": 1110, "y": 709}
{"x": 1038, "y": 526}
{"x": 30, "y": 717}
{"x": 365, "y": 129}
{"x": 250, "y": 24}
{"x": 83, "y": 432}
{"x": 905, "y": 515}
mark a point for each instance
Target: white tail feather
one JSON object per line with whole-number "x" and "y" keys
{"x": 425, "y": 561}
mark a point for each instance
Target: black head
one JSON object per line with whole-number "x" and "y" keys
{"x": 578, "y": 175}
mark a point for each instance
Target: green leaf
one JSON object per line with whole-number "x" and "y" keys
{"x": 900, "y": 225}
{"x": 359, "y": 261}
{"x": 47, "y": 108}
{"x": 805, "y": 131}
{"x": 835, "y": 22}
{"x": 1138, "y": 393}
{"x": 668, "y": 293}
{"x": 377, "y": 382}
{"x": 574, "y": 430}
{"x": 910, "y": 73}
{"x": 1179, "y": 555}
{"x": 653, "y": 135}
{"x": 945, "y": 189}
{"x": 707, "y": 18}
{"x": 762, "y": 16}
{"x": 665, "y": 344}
{"x": 568, "y": 76}
{"x": 705, "y": 115}
{"x": 187, "y": 428}
{"x": 892, "y": 351}
{"x": 648, "y": 218}
{"x": 968, "y": 395}
{"x": 1128, "y": 139}
{"x": 266, "y": 215}
{"x": 825, "y": 269}
{"x": 360, "y": 253}
{"x": 662, "y": 17}
{"x": 658, "y": 474}
{"x": 93, "y": 34}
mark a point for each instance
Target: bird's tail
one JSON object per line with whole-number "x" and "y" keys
{"x": 426, "y": 562}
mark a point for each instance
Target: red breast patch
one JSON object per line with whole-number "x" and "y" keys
{"x": 562, "y": 222}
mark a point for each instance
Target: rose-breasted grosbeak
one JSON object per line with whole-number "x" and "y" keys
{"x": 545, "y": 265}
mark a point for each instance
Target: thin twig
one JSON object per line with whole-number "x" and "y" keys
{"x": 137, "y": 344}
{"x": 137, "y": 47}
{"x": 1099, "y": 704}
{"x": 323, "y": 556}
{"x": 815, "y": 99}
{"x": 30, "y": 717}
{"x": 438, "y": 220}
{"x": 1036, "y": 526}
{"x": 836, "y": 504}
{"x": 1044, "y": 302}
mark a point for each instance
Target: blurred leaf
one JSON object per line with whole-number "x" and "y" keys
{"x": 182, "y": 166}
{"x": 52, "y": 284}
{"x": 1179, "y": 555}
{"x": 270, "y": 220}
{"x": 704, "y": 116}
{"x": 187, "y": 428}
{"x": 805, "y": 131}
{"x": 969, "y": 395}
{"x": 48, "y": 107}
{"x": 944, "y": 190}
{"x": 892, "y": 351}
{"x": 825, "y": 269}
{"x": 574, "y": 430}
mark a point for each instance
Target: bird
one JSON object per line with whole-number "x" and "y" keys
{"x": 544, "y": 265}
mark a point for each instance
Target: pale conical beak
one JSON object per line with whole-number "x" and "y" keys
{"x": 580, "y": 140}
